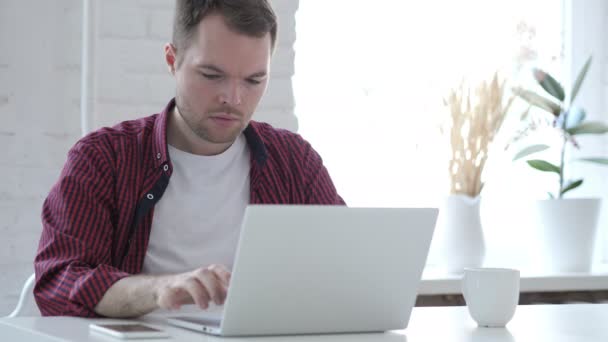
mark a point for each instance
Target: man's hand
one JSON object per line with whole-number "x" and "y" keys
{"x": 200, "y": 286}
{"x": 140, "y": 294}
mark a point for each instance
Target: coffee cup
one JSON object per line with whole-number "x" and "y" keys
{"x": 491, "y": 294}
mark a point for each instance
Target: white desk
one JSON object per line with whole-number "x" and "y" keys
{"x": 577, "y": 322}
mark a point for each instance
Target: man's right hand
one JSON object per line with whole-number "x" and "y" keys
{"x": 140, "y": 294}
{"x": 199, "y": 287}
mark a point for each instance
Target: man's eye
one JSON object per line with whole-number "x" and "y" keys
{"x": 211, "y": 76}
{"x": 253, "y": 81}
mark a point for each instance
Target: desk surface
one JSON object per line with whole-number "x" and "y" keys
{"x": 575, "y": 322}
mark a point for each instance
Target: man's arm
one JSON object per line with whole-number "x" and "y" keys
{"x": 140, "y": 294}
{"x": 73, "y": 263}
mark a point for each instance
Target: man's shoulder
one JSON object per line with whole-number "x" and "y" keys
{"x": 275, "y": 136}
{"x": 282, "y": 145}
{"x": 137, "y": 131}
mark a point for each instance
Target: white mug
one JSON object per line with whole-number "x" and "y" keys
{"x": 491, "y": 294}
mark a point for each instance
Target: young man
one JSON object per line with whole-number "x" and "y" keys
{"x": 146, "y": 214}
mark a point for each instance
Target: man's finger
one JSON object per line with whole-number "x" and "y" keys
{"x": 222, "y": 273}
{"x": 212, "y": 284}
{"x": 197, "y": 292}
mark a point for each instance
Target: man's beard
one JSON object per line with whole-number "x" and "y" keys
{"x": 206, "y": 133}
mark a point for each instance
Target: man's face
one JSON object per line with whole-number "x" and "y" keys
{"x": 220, "y": 80}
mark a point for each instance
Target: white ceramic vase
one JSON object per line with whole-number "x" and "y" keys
{"x": 568, "y": 229}
{"x": 461, "y": 244}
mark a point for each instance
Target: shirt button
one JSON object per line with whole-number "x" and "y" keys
{"x": 158, "y": 156}
{"x": 150, "y": 196}
{"x": 166, "y": 167}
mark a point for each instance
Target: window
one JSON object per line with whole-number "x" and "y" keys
{"x": 369, "y": 83}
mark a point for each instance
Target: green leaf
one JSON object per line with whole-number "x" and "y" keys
{"x": 551, "y": 86}
{"x": 538, "y": 101}
{"x": 543, "y": 166}
{"x": 595, "y": 127}
{"x": 529, "y": 150}
{"x": 550, "y": 195}
{"x": 571, "y": 185}
{"x": 602, "y": 161}
{"x": 579, "y": 79}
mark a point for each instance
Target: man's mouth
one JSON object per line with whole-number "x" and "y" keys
{"x": 224, "y": 119}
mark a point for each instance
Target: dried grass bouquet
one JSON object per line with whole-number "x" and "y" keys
{"x": 474, "y": 122}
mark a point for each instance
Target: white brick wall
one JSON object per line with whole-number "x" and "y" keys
{"x": 40, "y": 98}
{"x": 39, "y": 94}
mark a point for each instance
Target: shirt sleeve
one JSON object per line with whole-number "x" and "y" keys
{"x": 74, "y": 258}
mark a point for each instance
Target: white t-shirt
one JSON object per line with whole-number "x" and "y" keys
{"x": 197, "y": 221}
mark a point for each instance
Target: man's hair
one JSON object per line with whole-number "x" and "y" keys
{"x": 254, "y": 18}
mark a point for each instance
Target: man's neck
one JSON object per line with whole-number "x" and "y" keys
{"x": 180, "y": 136}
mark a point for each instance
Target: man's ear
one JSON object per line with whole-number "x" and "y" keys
{"x": 171, "y": 57}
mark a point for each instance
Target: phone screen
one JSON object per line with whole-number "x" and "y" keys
{"x": 125, "y": 328}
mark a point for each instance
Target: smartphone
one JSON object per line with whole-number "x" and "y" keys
{"x": 128, "y": 330}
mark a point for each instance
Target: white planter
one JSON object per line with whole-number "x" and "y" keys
{"x": 459, "y": 233}
{"x": 568, "y": 228}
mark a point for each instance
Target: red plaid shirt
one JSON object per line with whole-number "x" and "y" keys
{"x": 97, "y": 217}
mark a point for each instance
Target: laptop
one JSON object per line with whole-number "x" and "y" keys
{"x": 322, "y": 269}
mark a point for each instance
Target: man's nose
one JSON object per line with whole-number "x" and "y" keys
{"x": 232, "y": 94}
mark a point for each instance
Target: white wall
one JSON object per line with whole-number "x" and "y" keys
{"x": 39, "y": 104}
{"x": 585, "y": 26}
{"x": 40, "y": 98}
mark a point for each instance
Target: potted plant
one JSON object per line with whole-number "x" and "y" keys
{"x": 476, "y": 115}
{"x": 568, "y": 225}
